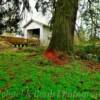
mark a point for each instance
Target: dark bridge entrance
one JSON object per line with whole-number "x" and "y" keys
{"x": 34, "y": 33}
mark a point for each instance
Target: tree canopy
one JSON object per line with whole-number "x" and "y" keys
{"x": 89, "y": 17}
{"x": 11, "y": 14}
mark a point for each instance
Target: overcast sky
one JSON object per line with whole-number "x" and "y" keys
{"x": 35, "y": 15}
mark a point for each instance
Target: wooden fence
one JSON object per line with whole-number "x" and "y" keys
{"x": 17, "y": 41}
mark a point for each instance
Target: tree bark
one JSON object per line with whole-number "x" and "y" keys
{"x": 63, "y": 26}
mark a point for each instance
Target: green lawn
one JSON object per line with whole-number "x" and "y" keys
{"x": 27, "y": 77}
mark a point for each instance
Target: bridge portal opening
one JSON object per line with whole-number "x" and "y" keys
{"x": 34, "y": 33}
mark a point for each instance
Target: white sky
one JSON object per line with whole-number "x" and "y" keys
{"x": 35, "y": 15}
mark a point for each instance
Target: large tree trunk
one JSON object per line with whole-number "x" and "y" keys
{"x": 63, "y": 26}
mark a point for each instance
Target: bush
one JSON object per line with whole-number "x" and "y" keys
{"x": 88, "y": 52}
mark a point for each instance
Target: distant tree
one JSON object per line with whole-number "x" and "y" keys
{"x": 89, "y": 17}
{"x": 11, "y": 14}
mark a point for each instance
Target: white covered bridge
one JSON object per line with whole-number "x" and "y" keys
{"x": 38, "y": 30}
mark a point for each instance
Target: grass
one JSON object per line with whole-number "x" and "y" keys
{"x": 27, "y": 77}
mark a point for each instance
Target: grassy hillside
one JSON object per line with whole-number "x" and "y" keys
{"x": 26, "y": 75}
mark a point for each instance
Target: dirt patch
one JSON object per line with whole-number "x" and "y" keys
{"x": 92, "y": 65}
{"x": 4, "y": 45}
{"x": 32, "y": 55}
{"x": 11, "y": 74}
{"x": 28, "y": 81}
{"x": 5, "y": 87}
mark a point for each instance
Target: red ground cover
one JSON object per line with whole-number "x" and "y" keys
{"x": 59, "y": 59}
{"x": 55, "y": 57}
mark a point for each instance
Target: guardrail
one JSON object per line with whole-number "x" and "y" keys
{"x": 20, "y": 41}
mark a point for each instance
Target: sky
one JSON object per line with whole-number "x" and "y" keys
{"x": 33, "y": 14}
